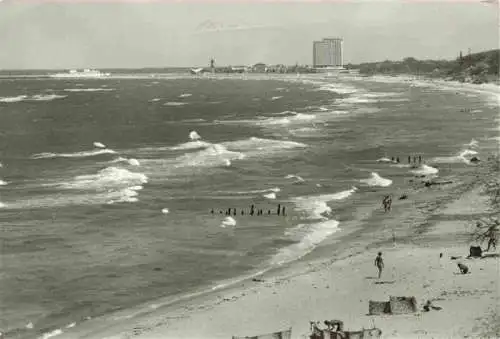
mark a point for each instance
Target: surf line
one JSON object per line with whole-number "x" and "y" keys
{"x": 253, "y": 210}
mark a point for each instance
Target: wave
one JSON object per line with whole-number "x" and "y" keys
{"x": 376, "y": 180}
{"x": 315, "y": 206}
{"x": 165, "y": 211}
{"x": 462, "y": 157}
{"x": 3, "y": 183}
{"x": 473, "y": 143}
{"x": 46, "y": 97}
{"x": 425, "y": 170}
{"x": 191, "y": 145}
{"x": 89, "y": 89}
{"x": 154, "y": 100}
{"x": 385, "y": 160}
{"x": 293, "y": 118}
{"x": 309, "y": 236}
{"x": 338, "y": 88}
{"x": 174, "y": 103}
{"x": 185, "y": 95}
{"x": 193, "y": 135}
{"x": 255, "y": 145}
{"x": 130, "y": 161}
{"x": 37, "y": 97}
{"x": 213, "y": 155}
{"x": 73, "y": 155}
{"x": 99, "y": 145}
{"x": 270, "y": 195}
{"x": 228, "y": 221}
{"x": 294, "y": 176}
{"x": 267, "y": 190}
{"x": 276, "y": 97}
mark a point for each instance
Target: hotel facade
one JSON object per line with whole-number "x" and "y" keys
{"x": 328, "y": 53}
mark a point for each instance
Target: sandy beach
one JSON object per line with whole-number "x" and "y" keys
{"x": 433, "y": 220}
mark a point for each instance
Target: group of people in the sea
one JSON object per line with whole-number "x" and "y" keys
{"x": 415, "y": 159}
{"x": 280, "y": 210}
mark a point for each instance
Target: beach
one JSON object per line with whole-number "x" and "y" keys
{"x": 431, "y": 221}
{"x": 163, "y": 267}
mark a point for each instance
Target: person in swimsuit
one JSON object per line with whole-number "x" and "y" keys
{"x": 379, "y": 263}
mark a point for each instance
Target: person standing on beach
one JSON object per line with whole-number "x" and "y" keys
{"x": 379, "y": 263}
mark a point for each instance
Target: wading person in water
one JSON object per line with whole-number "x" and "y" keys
{"x": 379, "y": 263}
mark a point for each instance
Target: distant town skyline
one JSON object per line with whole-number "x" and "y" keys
{"x": 127, "y": 35}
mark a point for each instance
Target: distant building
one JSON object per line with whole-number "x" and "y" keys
{"x": 328, "y": 53}
{"x": 259, "y": 68}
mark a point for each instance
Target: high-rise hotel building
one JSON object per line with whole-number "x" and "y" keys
{"x": 328, "y": 53}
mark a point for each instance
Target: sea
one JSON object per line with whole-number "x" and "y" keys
{"x": 115, "y": 192}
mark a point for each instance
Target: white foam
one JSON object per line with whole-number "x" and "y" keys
{"x": 273, "y": 190}
{"x": 473, "y": 143}
{"x": 315, "y": 206}
{"x": 46, "y": 97}
{"x": 191, "y": 145}
{"x": 29, "y": 325}
{"x": 88, "y": 89}
{"x": 71, "y": 325}
{"x": 309, "y": 237}
{"x": 385, "y": 160}
{"x": 255, "y": 145}
{"x": 296, "y": 118}
{"x": 174, "y": 103}
{"x": 133, "y": 162}
{"x": 155, "y": 99}
{"x": 193, "y": 135}
{"x": 99, "y": 145}
{"x": 270, "y": 195}
{"x": 277, "y": 97}
{"x": 213, "y": 155}
{"x": 2, "y": 183}
{"x": 425, "y": 170}
{"x": 294, "y": 176}
{"x": 13, "y": 99}
{"x": 462, "y": 157}
{"x": 338, "y": 88}
{"x": 107, "y": 178}
{"x": 165, "y": 211}
{"x": 228, "y": 221}
{"x": 73, "y": 155}
{"x": 185, "y": 95}
{"x": 376, "y": 180}
{"x": 51, "y": 334}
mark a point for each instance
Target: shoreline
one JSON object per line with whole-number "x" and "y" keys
{"x": 310, "y": 264}
{"x": 307, "y": 279}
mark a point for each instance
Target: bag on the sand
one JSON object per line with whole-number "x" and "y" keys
{"x": 475, "y": 252}
{"x": 286, "y": 334}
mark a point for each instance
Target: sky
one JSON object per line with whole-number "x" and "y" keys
{"x": 66, "y": 34}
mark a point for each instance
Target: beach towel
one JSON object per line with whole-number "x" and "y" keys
{"x": 403, "y": 305}
{"x": 286, "y": 334}
{"x": 378, "y": 307}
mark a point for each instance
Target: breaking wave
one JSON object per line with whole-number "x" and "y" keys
{"x": 294, "y": 176}
{"x": 174, "y": 103}
{"x": 73, "y": 155}
{"x": 462, "y": 157}
{"x": 228, "y": 221}
{"x": 185, "y": 95}
{"x": 315, "y": 206}
{"x": 37, "y": 97}
{"x": 308, "y": 237}
{"x": 89, "y": 89}
{"x": 271, "y": 195}
{"x": 376, "y": 180}
{"x": 425, "y": 170}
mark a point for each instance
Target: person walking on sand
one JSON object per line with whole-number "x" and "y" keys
{"x": 379, "y": 263}
{"x": 492, "y": 236}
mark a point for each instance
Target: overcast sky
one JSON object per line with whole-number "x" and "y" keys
{"x": 76, "y": 35}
